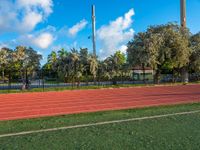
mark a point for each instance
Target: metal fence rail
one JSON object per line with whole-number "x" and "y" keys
{"x": 40, "y": 80}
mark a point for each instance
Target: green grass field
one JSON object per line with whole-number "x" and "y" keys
{"x": 175, "y": 132}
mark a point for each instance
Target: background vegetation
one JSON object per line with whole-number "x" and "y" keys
{"x": 167, "y": 49}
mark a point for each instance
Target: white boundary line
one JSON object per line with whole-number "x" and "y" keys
{"x": 99, "y": 123}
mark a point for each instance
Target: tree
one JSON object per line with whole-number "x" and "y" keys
{"x": 28, "y": 61}
{"x": 84, "y": 60}
{"x": 103, "y": 75}
{"x": 93, "y": 66}
{"x": 74, "y": 66}
{"x": 52, "y": 59}
{"x": 178, "y": 50}
{"x": 62, "y": 54}
{"x": 50, "y": 67}
{"x": 138, "y": 52}
{"x": 195, "y": 56}
{"x": 5, "y": 54}
{"x": 61, "y": 64}
{"x": 110, "y": 67}
{"x": 118, "y": 60}
{"x": 163, "y": 45}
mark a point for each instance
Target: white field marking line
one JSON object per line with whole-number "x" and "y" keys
{"x": 99, "y": 123}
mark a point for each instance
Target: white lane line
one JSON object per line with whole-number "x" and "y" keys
{"x": 99, "y": 123}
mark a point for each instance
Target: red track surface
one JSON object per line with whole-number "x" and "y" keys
{"x": 32, "y": 105}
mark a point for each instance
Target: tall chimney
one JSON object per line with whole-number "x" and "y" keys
{"x": 94, "y": 30}
{"x": 183, "y": 13}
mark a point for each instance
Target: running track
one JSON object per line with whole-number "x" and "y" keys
{"x": 33, "y": 105}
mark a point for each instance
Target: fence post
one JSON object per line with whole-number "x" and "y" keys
{"x": 9, "y": 81}
{"x": 42, "y": 80}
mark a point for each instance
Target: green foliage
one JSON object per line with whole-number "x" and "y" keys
{"x": 5, "y": 60}
{"x": 165, "y": 48}
{"x": 113, "y": 67}
{"x": 162, "y": 46}
{"x": 195, "y": 57}
{"x": 93, "y": 63}
{"x": 73, "y": 66}
{"x": 21, "y": 62}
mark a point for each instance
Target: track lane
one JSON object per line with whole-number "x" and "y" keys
{"x": 31, "y": 105}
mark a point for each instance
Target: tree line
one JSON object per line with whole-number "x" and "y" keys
{"x": 79, "y": 65}
{"x": 167, "y": 48}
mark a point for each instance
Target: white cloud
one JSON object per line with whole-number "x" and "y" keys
{"x": 2, "y": 45}
{"x": 116, "y": 34}
{"x": 39, "y": 52}
{"x": 73, "y": 31}
{"x": 23, "y": 15}
{"x": 123, "y": 48}
{"x": 43, "y": 41}
{"x": 30, "y": 21}
{"x": 45, "y": 5}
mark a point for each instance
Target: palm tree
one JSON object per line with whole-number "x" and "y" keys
{"x": 93, "y": 67}
{"x": 62, "y": 54}
{"x": 74, "y": 65}
{"x": 84, "y": 60}
{"x": 52, "y": 58}
{"x": 111, "y": 68}
{"x": 50, "y": 66}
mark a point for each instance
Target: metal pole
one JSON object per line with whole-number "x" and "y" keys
{"x": 185, "y": 75}
{"x": 183, "y": 13}
{"x": 94, "y": 30}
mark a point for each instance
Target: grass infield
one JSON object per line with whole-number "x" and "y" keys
{"x": 174, "y": 132}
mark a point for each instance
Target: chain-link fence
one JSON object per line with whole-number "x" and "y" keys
{"x": 26, "y": 79}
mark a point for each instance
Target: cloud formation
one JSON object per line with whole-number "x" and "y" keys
{"x": 73, "y": 31}
{"x": 45, "y": 38}
{"x": 23, "y": 15}
{"x": 42, "y": 39}
{"x": 116, "y": 34}
{"x": 2, "y": 45}
{"x": 45, "y": 5}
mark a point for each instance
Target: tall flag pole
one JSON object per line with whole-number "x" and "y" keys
{"x": 94, "y": 30}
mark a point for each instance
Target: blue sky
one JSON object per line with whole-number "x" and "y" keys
{"x": 48, "y": 25}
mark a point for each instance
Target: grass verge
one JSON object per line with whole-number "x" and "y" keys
{"x": 89, "y": 87}
{"x": 70, "y": 88}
